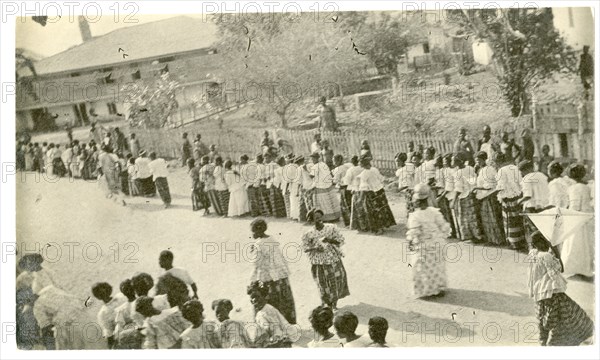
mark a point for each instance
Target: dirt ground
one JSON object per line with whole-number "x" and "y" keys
{"x": 486, "y": 303}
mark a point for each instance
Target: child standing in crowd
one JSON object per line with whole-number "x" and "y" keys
{"x": 561, "y": 321}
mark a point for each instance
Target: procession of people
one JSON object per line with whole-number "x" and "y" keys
{"x": 476, "y": 194}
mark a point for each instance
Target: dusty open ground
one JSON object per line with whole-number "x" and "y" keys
{"x": 486, "y": 304}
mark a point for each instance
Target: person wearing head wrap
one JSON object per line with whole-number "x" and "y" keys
{"x": 374, "y": 201}
{"x": 464, "y": 202}
{"x": 558, "y": 184}
{"x": 508, "y": 189}
{"x": 578, "y": 250}
{"x": 426, "y": 231}
{"x": 535, "y": 194}
{"x": 325, "y": 195}
{"x": 233, "y": 334}
{"x": 490, "y": 209}
{"x": 323, "y": 245}
{"x": 271, "y": 269}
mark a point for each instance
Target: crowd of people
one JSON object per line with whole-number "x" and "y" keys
{"x": 478, "y": 194}
{"x": 485, "y": 193}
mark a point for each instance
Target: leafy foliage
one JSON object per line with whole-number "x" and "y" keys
{"x": 527, "y": 48}
{"x": 152, "y": 103}
{"x": 276, "y": 60}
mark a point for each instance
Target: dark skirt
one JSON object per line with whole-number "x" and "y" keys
{"x": 378, "y": 210}
{"x": 162, "y": 186}
{"x": 345, "y": 204}
{"x": 277, "y": 202}
{"x": 58, "y": 167}
{"x": 513, "y": 220}
{"x": 466, "y": 213}
{"x": 124, "y": 178}
{"x": 331, "y": 281}
{"x": 444, "y": 205}
{"x": 89, "y": 169}
{"x": 254, "y": 202}
{"x": 213, "y": 196}
{"x": 360, "y": 217}
{"x": 281, "y": 298}
{"x": 224, "y": 200}
{"x": 490, "y": 212}
{"x": 146, "y": 186}
{"x": 562, "y": 322}
{"x": 199, "y": 198}
{"x": 263, "y": 201}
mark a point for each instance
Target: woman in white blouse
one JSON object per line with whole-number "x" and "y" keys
{"x": 464, "y": 200}
{"x": 508, "y": 188}
{"x": 489, "y": 207}
{"x": 374, "y": 201}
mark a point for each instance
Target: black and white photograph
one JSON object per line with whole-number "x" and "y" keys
{"x": 208, "y": 177}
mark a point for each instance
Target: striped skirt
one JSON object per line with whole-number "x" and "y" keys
{"x": 254, "y": 201}
{"x": 331, "y": 281}
{"x": 281, "y": 298}
{"x": 277, "y": 202}
{"x": 562, "y": 322}
{"x": 513, "y": 220}
{"x": 444, "y": 206}
{"x": 328, "y": 202}
{"x": 288, "y": 207}
{"x": 162, "y": 186}
{"x": 491, "y": 220}
{"x": 263, "y": 201}
{"x": 360, "y": 217}
{"x": 466, "y": 213}
{"x": 378, "y": 210}
{"x": 345, "y": 204}
{"x": 215, "y": 201}
{"x": 224, "y": 201}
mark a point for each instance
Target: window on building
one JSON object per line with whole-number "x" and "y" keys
{"x": 136, "y": 75}
{"x": 112, "y": 108}
{"x": 571, "y": 21}
{"x": 426, "y": 48}
{"x": 564, "y": 145}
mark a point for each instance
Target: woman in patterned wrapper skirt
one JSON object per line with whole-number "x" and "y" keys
{"x": 426, "y": 230}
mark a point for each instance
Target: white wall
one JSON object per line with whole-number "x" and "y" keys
{"x": 578, "y": 33}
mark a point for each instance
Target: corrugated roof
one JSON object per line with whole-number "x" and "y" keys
{"x": 169, "y": 36}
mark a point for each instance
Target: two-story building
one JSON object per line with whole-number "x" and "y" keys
{"x": 85, "y": 83}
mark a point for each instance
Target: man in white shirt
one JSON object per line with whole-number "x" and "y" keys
{"x": 144, "y": 176}
{"x": 159, "y": 171}
{"x": 535, "y": 194}
{"x": 165, "y": 261}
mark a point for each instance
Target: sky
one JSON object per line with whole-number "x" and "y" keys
{"x": 63, "y": 34}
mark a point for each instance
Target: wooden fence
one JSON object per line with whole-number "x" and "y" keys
{"x": 233, "y": 143}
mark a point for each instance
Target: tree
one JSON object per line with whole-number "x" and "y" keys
{"x": 527, "y": 48}
{"x": 384, "y": 37}
{"x": 153, "y": 103}
{"x": 277, "y": 60}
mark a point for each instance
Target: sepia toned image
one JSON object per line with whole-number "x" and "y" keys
{"x": 247, "y": 175}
